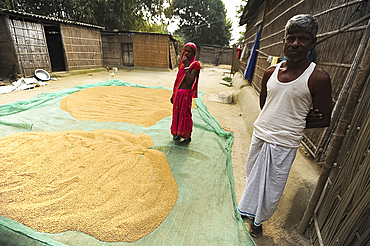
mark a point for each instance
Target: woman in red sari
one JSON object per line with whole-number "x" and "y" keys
{"x": 185, "y": 88}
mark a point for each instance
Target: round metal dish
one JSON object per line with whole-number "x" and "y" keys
{"x": 41, "y": 74}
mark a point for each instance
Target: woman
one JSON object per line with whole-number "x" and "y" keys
{"x": 185, "y": 88}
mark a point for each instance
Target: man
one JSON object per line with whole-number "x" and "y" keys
{"x": 295, "y": 94}
{"x": 184, "y": 89}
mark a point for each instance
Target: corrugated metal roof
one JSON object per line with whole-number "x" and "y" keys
{"x": 115, "y": 32}
{"x": 250, "y": 11}
{"x": 34, "y": 16}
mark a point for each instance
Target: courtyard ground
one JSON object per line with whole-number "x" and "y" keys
{"x": 280, "y": 229}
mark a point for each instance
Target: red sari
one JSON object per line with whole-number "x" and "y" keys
{"x": 182, "y": 123}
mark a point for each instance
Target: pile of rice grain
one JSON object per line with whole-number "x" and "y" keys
{"x": 134, "y": 105}
{"x": 105, "y": 183}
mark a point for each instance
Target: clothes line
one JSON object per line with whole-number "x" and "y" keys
{"x": 273, "y": 60}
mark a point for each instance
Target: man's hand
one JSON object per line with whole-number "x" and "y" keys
{"x": 320, "y": 87}
{"x": 314, "y": 115}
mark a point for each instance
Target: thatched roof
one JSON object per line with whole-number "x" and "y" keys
{"x": 14, "y": 13}
{"x": 119, "y": 32}
{"x": 250, "y": 11}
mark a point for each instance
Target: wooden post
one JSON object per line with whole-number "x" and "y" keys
{"x": 344, "y": 91}
{"x": 362, "y": 55}
{"x": 234, "y": 60}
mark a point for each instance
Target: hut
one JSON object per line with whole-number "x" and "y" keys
{"x": 139, "y": 49}
{"x": 29, "y": 42}
{"x": 338, "y": 211}
{"x": 214, "y": 54}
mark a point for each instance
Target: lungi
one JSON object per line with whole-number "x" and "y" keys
{"x": 268, "y": 167}
{"x": 182, "y": 123}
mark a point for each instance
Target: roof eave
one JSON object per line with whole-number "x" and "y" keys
{"x": 46, "y": 18}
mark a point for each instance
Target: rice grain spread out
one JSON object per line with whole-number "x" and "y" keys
{"x": 134, "y": 105}
{"x": 105, "y": 183}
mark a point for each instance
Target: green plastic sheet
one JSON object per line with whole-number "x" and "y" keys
{"x": 205, "y": 211}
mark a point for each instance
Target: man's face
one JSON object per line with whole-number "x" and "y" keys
{"x": 189, "y": 52}
{"x": 297, "y": 45}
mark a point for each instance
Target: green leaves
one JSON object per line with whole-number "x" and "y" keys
{"x": 113, "y": 14}
{"x": 203, "y": 21}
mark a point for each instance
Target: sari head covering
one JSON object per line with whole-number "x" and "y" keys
{"x": 193, "y": 65}
{"x": 194, "y": 48}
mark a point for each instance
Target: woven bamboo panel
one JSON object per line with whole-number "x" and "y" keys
{"x": 173, "y": 55}
{"x": 82, "y": 47}
{"x": 30, "y": 46}
{"x": 151, "y": 50}
{"x": 209, "y": 54}
{"x": 334, "y": 55}
{"x": 111, "y": 46}
{"x": 8, "y": 59}
{"x": 343, "y": 215}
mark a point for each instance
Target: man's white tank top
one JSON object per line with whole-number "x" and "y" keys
{"x": 283, "y": 117}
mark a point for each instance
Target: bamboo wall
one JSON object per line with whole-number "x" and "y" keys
{"x": 208, "y": 54}
{"x": 342, "y": 216}
{"x": 111, "y": 46}
{"x": 8, "y": 58}
{"x": 29, "y": 45}
{"x": 334, "y": 55}
{"x": 151, "y": 50}
{"x": 82, "y": 46}
{"x": 173, "y": 55}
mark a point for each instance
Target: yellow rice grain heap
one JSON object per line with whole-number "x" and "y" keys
{"x": 105, "y": 183}
{"x": 143, "y": 106}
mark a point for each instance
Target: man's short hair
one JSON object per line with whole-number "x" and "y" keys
{"x": 302, "y": 22}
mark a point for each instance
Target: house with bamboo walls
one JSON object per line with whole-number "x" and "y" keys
{"x": 214, "y": 54}
{"x": 29, "y": 42}
{"x": 82, "y": 47}
{"x": 340, "y": 214}
{"x": 272, "y": 16}
{"x": 139, "y": 49}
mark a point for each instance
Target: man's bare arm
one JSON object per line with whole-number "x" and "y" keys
{"x": 320, "y": 88}
{"x": 265, "y": 78}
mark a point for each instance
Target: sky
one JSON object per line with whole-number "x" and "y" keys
{"x": 230, "y": 6}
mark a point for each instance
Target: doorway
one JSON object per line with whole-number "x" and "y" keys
{"x": 55, "y": 47}
{"x": 127, "y": 57}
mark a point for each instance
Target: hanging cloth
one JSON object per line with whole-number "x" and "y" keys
{"x": 311, "y": 56}
{"x": 274, "y": 60}
{"x": 249, "y": 68}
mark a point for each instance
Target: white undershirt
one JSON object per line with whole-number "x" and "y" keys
{"x": 283, "y": 117}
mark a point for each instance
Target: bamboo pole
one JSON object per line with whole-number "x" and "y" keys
{"x": 340, "y": 132}
{"x": 262, "y": 53}
{"x": 284, "y": 12}
{"x": 346, "y": 86}
{"x": 323, "y": 36}
{"x": 321, "y": 243}
{"x": 338, "y": 7}
{"x": 344, "y": 28}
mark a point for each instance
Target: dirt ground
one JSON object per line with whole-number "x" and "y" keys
{"x": 280, "y": 229}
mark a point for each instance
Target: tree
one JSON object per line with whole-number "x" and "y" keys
{"x": 155, "y": 27}
{"x": 203, "y": 21}
{"x": 112, "y": 14}
{"x": 239, "y": 13}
